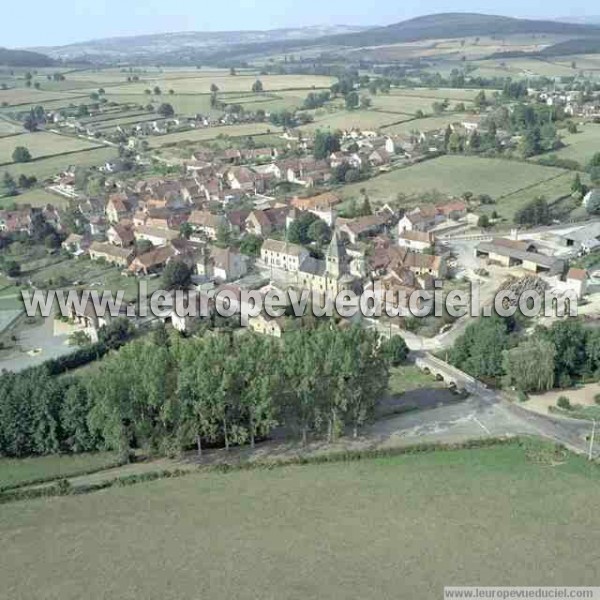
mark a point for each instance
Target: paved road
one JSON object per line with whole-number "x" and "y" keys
{"x": 494, "y": 413}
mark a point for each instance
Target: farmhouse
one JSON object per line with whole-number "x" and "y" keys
{"x": 111, "y": 254}
{"x": 357, "y": 229}
{"x": 419, "y": 241}
{"x": 205, "y": 222}
{"x": 577, "y": 280}
{"x": 120, "y": 235}
{"x": 282, "y": 255}
{"x": 152, "y": 261}
{"x": 155, "y": 235}
{"x": 523, "y": 254}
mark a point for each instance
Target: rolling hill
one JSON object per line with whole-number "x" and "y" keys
{"x": 212, "y": 47}
{"x": 24, "y": 58}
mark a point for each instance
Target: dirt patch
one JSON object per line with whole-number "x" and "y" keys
{"x": 583, "y": 395}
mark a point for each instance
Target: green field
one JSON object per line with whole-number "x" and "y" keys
{"x": 210, "y": 133}
{"x": 48, "y": 167}
{"x": 41, "y": 144}
{"x": 425, "y": 125}
{"x": 453, "y": 175}
{"x": 18, "y": 96}
{"x": 35, "y": 197}
{"x": 17, "y": 471}
{"x": 407, "y": 105}
{"x": 358, "y": 119}
{"x": 581, "y": 146}
{"x": 552, "y": 189}
{"x": 228, "y": 83}
{"x": 400, "y": 527}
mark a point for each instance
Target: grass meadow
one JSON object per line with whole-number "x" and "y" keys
{"x": 453, "y": 175}
{"x": 581, "y": 146}
{"x": 48, "y": 167}
{"x": 402, "y": 526}
{"x": 210, "y": 133}
{"x": 41, "y": 145}
{"x": 20, "y": 471}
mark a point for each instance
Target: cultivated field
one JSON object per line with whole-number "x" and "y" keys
{"x": 403, "y": 526}
{"x": 453, "y": 175}
{"x": 42, "y": 144}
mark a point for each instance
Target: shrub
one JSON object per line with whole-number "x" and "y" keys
{"x": 564, "y": 403}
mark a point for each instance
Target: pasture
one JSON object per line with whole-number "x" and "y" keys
{"x": 424, "y": 125}
{"x": 226, "y": 84}
{"x": 41, "y": 145}
{"x": 581, "y": 146}
{"x": 19, "y": 471}
{"x": 408, "y": 105}
{"x": 453, "y": 175}
{"x": 48, "y": 167}
{"x": 35, "y": 197}
{"x": 210, "y": 133}
{"x": 18, "y": 96}
{"x": 553, "y": 189}
{"x": 355, "y": 119}
{"x": 405, "y": 525}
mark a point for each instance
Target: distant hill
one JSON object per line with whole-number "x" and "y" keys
{"x": 190, "y": 42}
{"x": 216, "y": 47}
{"x": 458, "y": 25}
{"x": 24, "y": 58}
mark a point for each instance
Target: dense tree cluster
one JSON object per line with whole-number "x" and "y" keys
{"x": 165, "y": 394}
{"x": 553, "y": 356}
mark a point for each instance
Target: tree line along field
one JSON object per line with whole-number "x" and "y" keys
{"x": 42, "y": 144}
{"x": 338, "y": 530}
{"x": 453, "y": 175}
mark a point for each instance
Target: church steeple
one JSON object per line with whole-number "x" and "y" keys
{"x": 335, "y": 255}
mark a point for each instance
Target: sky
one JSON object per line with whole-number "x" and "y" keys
{"x": 57, "y": 22}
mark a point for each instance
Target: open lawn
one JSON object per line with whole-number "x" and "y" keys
{"x": 404, "y": 526}
{"x": 48, "y": 167}
{"x": 210, "y": 133}
{"x": 41, "y": 144}
{"x": 581, "y": 146}
{"x": 453, "y": 175}
{"x": 18, "y": 471}
{"x": 358, "y": 119}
